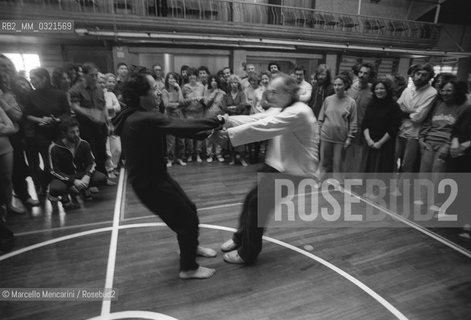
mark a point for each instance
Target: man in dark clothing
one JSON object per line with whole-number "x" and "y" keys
{"x": 142, "y": 136}
{"x": 88, "y": 102}
{"x": 72, "y": 165}
{"x": 321, "y": 89}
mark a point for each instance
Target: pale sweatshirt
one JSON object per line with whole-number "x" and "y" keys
{"x": 417, "y": 103}
{"x": 338, "y": 119}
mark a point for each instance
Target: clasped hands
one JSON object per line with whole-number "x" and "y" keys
{"x": 81, "y": 184}
{"x": 373, "y": 145}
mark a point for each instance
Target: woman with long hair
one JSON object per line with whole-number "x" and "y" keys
{"x": 10, "y": 113}
{"x": 45, "y": 107}
{"x": 337, "y": 126}
{"x": 236, "y": 104}
{"x": 214, "y": 101}
{"x": 380, "y": 125}
{"x": 172, "y": 98}
{"x": 193, "y": 93}
{"x": 142, "y": 134}
{"x": 113, "y": 144}
{"x": 15, "y": 92}
{"x": 435, "y": 135}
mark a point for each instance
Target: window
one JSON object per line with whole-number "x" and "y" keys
{"x": 446, "y": 68}
{"x": 24, "y": 62}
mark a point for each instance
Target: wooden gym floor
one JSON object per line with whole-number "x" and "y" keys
{"x": 309, "y": 272}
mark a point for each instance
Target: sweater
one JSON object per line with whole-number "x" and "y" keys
{"x": 415, "y": 103}
{"x": 382, "y": 117}
{"x": 338, "y": 119}
{"x": 142, "y": 138}
{"x": 439, "y": 125}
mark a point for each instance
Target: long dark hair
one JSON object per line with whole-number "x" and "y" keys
{"x": 134, "y": 87}
{"x": 216, "y": 78}
{"x": 175, "y": 76}
{"x": 328, "y": 75}
{"x": 387, "y": 83}
{"x": 461, "y": 89}
{"x": 42, "y": 73}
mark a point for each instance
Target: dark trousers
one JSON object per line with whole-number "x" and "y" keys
{"x": 35, "y": 146}
{"x": 167, "y": 199}
{"x": 96, "y": 135}
{"x": 58, "y": 188}
{"x": 248, "y": 237}
{"x": 6, "y": 169}
{"x": 20, "y": 168}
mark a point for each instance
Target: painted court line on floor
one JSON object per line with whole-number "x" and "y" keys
{"x": 78, "y": 226}
{"x": 119, "y": 205}
{"x": 408, "y": 222}
{"x": 339, "y": 271}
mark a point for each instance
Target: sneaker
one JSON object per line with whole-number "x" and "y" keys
{"x": 180, "y": 162}
{"x": 87, "y": 195}
{"x": 232, "y": 163}
{"x": 243, "y": 163}
{"x": 220, "y": 158}
{"x": 15, "y": 210}
{"x": 70, "y": 205}
{"x": 31, "y": 202}
{"x": 198, "y": 159}
{"x": 418, "y": 202}
{"x": 209, "y": 159}
{"x": 111, "y": 174}
{"x": 190, "y": 158}
{"x": 53, "y": 199}
{"x": 109, "y": 183}
{"x": 169, "y": 163}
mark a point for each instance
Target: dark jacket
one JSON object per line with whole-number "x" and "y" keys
{"x": 65, "y": 166}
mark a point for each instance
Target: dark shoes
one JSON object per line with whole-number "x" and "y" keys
{"x": 31, "y": 202}
{"x": 15, "y": 210}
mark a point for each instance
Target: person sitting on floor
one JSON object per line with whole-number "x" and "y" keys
{"x": 72, "y": 166}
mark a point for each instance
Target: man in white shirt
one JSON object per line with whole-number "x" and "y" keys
{"x": 290, "y": 127}
{"x": 415, "y": 103}
{"x": 305, "y": 87}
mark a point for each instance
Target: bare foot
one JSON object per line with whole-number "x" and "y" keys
{"x": 205, "y": 252}
{"x": 200, "y": 273}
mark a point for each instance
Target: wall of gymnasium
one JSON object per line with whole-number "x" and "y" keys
{"x": 384, "y": 8}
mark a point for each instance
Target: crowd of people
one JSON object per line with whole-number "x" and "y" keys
{"x": 57, "y": 128}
